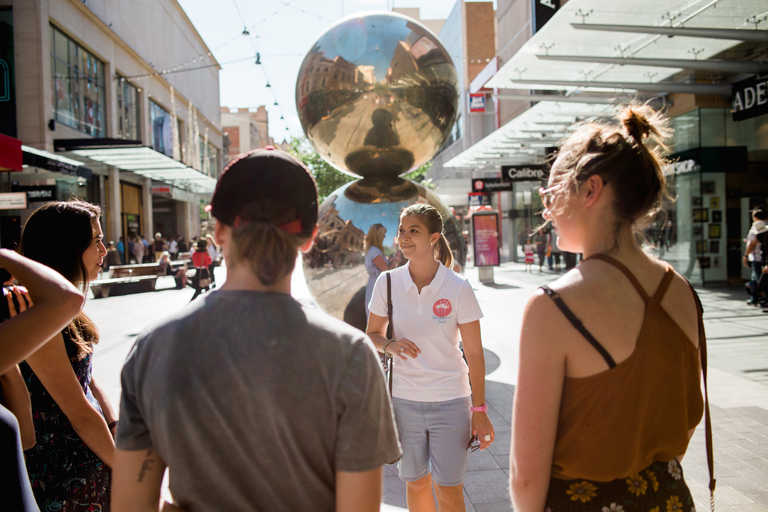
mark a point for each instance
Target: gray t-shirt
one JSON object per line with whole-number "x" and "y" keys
{"x": 254, "y": 402}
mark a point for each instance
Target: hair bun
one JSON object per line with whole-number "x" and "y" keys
{"x": 636, "y": 123}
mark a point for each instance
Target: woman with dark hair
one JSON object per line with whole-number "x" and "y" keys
{"x": 69, "y": 466}
{"x": 253, "y": 401}
{"x": 608, "y": 390}
{"x": 438, "y": 414}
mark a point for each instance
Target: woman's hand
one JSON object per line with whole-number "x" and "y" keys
{"x": 22, "y": 297}
{"x": 482, "y": 427}
{"x": 404, "y": 348}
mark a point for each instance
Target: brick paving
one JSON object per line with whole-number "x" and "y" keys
{"x": 738, "y": 385}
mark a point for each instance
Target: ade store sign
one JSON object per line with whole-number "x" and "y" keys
{"x": 750, "y": 98}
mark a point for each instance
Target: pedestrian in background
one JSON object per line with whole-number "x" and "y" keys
{"x": 608, "y": 392}
{"x": 138, "y": 250}
{"x": 215, "y": 255}
{"x": 437, "y": 412}
{"x": 528, "y": 253}
{"x": 173, "y": 249}
{"x": 56, "y": 302}
{"x": 158, "y": 246}
{"x": 375, "y": 261}
{"x": 251, "y": 400}
{"x": 541, "y": 248}
{"x": 753, "y": 255}
{"x": 113, "y": 258}
{"x": 201, "y": 262}
{"x": 69, "y": 466}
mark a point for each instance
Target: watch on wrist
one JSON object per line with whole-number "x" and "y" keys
{"x": 482, "y": 408}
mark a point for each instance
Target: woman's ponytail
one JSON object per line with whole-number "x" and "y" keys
{"x": 443, "y": 252}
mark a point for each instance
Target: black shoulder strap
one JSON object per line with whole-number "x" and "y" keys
{"x": 390, "y": 334}
{"x": 579, "y": 326}
{"x": 707, "y": 417}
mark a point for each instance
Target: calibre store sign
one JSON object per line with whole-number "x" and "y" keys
{"x": 523, "y": 173}
{"x": 750, "y": 98}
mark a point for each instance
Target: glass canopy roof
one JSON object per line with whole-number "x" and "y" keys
{"x": 560, "y": 37}
{"x": 593, "y": 65}
{"x": 151, "y": 164}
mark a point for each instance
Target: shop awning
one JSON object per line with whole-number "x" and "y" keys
{"x": 636, "y": 46}
{"x": 597, "y": 54}
{"x": 142, "y": 160}
{"x": 56, "y": 163}
{"x": 525, "y": 139}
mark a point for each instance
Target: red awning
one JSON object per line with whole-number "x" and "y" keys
{"x": 11, "y": 156}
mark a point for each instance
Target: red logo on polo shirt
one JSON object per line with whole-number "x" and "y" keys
{"x": 442, "y": 308}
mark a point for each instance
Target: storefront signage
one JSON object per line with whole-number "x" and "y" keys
{"x": 750, "y": 98}
{"x": 543, "y": 10}
{"x": 730, "y": 159}
{"x": 54, "y": 164}
{"x": 485, "y": 238}
{"x": 162, "y": 189}
{"x": 490, "y": 185}
{"x": 37, "y": 193}
{"x": 523, "y": 173}
{"x": 477, "y": 102}
{"x": 683, "y": 166}
{"x": 13, "y": 201}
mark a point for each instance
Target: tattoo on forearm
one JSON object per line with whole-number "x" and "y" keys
{"x": 146, "y": 465}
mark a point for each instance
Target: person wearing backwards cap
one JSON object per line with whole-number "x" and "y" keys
{"x": 252, "y": 401}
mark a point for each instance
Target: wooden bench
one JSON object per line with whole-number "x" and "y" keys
{"x": 123, "y": 285}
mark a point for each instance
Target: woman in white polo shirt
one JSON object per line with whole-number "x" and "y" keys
{"x": 434, "y": 310}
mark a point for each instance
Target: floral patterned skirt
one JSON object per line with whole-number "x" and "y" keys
{"x": 658, "y": 488}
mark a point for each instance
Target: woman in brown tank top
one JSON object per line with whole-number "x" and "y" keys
{"x": 608, "y": 390}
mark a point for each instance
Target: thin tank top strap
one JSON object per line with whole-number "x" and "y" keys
{"x": 619, "y": 265}
{"x": 576, "y": 323}
{"x": 664, "y": 286}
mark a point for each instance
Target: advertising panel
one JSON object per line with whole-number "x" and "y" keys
{"x": 485, "y": 236}
{"x": 477, "y": 102}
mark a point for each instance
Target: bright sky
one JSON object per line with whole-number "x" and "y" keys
{"x": 282, "y": 31}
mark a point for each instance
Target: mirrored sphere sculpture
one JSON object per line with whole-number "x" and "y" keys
{"x": 377, "y": 96}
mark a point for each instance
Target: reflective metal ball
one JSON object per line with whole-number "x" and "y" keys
{"x": 334, "y": 268}
{"x": 377, "y": 95}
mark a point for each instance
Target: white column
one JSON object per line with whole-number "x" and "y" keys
{"x": 147, "y": 220}
{"x": 115, "y": 207}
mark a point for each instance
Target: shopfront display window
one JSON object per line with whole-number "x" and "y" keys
{"x": 160, "y": 124}
{"x": 127, "y": 110}
{"x": 78, "y": 85}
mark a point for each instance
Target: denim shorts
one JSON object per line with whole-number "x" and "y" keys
{"x": 434, "y": 437}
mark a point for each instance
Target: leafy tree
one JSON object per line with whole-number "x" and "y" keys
{"x": 328, "y": 178}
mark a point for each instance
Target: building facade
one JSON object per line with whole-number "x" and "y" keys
{"x": 562, "y": 62}
{"x": 245, "y": 129}
{"x": 109, "y": 109}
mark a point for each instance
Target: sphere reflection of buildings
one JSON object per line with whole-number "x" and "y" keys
{"x": 376, "y": 96}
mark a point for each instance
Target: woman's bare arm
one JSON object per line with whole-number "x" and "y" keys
{"x": 473, "y": 350}
{"x": 56, "y": 302}
{"x": 536, "y": 406}
{"x": 16, "y": 399}
{"x": 52, "y": 366}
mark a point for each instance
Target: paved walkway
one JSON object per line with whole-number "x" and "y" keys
{"x": 738, "y": 385}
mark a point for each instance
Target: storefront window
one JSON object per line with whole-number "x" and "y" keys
{"x": 127, "y": 110}
{"x": 78, "y": 85}
{"x": 209, "y": 159}
{"x": 160, "y": 124}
